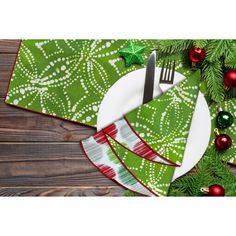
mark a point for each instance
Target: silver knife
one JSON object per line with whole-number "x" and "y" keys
{"x": 149, "y": 78}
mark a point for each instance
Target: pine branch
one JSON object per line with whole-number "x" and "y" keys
{"x": 213, "y": 74}
{"x": 173, "y": 46}
{"x": 230, "y": 56}
{"x": 210, "y": 170}
{"x": 200, "y": 43}
{"x": 216, "y": 49}
{"x": 231, "y": 93}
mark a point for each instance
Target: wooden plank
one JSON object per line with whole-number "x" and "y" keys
{"x": 8, "y": 111}
{"x": 9, "y": 46}
{"x": 62, "y": 191}
{"x": 47, "y": 164}
{"x": 4, "y": 79}
{"x": 41, "y": 129}
{"x": 20, "y": 125}
{"x": 7, "y": 61}
{"x": 44, "y": 151}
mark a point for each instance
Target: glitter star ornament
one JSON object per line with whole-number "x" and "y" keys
{"x": 132, "y": 54}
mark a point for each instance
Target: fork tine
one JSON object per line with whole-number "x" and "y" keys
{"x": 173, "y": 72}
{"x": 166, "y": 70}
{"x": 162, "y": 71}
{"x": 169, "y": 70}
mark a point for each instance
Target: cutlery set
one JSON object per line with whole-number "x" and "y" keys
{"x": 166, "y": 76}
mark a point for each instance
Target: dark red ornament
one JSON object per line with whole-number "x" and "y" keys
{"x": 223, "y": 142}
{"x": 196, "y": 54}
{"x": 230, "y": 79}
{"x": 216, "y": 190}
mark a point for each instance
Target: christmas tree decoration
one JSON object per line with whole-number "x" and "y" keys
{"x": 224, "y": 119}
{"x": 132, "y": 54}
{"x": 229, "y": 106}
{"x": 156, "y": 177}
{"x": 102, "y": 157}
{"x": 214, "y": 190}
{"x": 196, "y": 54}
{"x": 222, "y": 141}
{"x": 230, "y": 79}
{"x": 123, "y": 133}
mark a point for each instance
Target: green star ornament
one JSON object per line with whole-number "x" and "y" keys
{"x": 132, "y": 54}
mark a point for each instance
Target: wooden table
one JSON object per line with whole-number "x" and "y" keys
{"x": 40, "y": 155}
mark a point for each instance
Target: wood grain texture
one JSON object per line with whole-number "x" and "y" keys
{"x": 40, "y": 155}
{"x": 4, "y": 79}
{"x": 50, "y": 164}
{"x": 7, "y": 62}
{"x": 9, "y": 46}
{"x": 25, "y": 126}
{"x": 62, "y": 191}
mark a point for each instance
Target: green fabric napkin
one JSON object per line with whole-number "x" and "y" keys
{"x": 169, "y": 118}
{"x": 156, "y": 177}
{"x": 164, "y": 122}
{"x": 99, "y": 153}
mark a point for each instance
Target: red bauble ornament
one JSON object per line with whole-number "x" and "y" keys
{"x": 223, "y": 142}
{"x": 216, "y": 190}
{"x": 230, "y": 79}
{"x": 196, "y": 54}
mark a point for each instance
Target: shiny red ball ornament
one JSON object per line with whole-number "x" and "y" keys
{"x": 230, "y": 79}
{"x": 196, "y": 54}
{"x": 223, "y": 142}
{"x": 216, "y": 190}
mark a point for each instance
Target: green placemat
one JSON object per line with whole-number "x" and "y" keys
{"x": 69, "y": 78}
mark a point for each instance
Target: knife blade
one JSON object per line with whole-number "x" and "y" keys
{"x": 149, "y": 78}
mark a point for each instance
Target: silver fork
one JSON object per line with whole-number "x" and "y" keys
{"x": 167, "y": 72}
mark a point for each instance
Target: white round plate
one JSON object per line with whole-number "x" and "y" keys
{"x": 127, "y": 94}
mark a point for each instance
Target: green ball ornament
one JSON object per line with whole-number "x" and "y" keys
{"x": 224, "y": 119}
